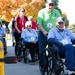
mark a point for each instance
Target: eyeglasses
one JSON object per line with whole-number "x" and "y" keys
{"x": 28, "y": 25}
{"x": 51, "y": 4}
{"x": 61, "y": 22}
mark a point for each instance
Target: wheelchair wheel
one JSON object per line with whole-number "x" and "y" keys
{"x": 47, "y": 70}
{"x": 26, "y": 52}
{"x": 25, "y": 56}
{"x": 19, "y": 57}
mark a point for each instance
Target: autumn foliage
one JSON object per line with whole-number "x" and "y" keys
{"x": 10, "y": 8}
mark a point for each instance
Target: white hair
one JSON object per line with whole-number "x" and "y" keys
{"x": 28, "y": 23}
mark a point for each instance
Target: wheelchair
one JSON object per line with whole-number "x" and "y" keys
{"x": 54, "y": 63}
{"x": 23, "y": 52}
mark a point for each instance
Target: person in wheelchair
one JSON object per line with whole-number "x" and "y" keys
{"x": 30, "y": 37}
{"x": 63, "y": 39}
{"x": 2, "y": 37}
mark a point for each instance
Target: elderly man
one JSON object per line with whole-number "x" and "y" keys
{"x": 63, "y": 39}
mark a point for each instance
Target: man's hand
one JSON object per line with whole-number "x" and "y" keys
{"x": 34, "y": 42}
{"x": 63, "y": 44}
{"x": 43, "y": 30}
{"x": 45, "y": 33}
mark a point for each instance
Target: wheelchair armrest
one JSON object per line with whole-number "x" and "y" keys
{"x": 21, "y": 39}
{"x": 50, "y": 44}
{"x": 55, "y": 51}
{"x": 73, "y": 44}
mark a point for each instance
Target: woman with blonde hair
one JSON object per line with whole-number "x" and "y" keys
{"x": 30, "y": 18}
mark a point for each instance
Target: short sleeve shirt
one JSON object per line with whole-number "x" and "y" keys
{"x": 47, "y": 19}
{"x": 20, "y": 22}
{"x": 65, "y": 35}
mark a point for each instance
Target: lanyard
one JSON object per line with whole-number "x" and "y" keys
{"x": 61, "y": 34}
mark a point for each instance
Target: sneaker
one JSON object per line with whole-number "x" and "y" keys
{"x": 13, "y": 44}
{"x": 5, "y": 52}
{"x": 68, "y": 72}
{"x": 72, "y": 74}
{"x": 32, "y": 60}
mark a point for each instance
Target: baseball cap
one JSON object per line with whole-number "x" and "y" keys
{"x": 50, "y": 1}
{"x": 60, "y": 19}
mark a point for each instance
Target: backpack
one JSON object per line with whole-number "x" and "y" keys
{"x": 13, "y": 23}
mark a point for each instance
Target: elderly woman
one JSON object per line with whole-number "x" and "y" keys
{"x": 30, "y": 36}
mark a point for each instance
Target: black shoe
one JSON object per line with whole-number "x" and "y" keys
{"x": 73, "y": 69}
{"x": 19, "y": 58}
{"x": 5, "y": 52}
{"x": 31, "y": 60}
{"x": 13, "y": 44}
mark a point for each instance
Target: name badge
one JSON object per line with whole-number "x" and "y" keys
{"x": 32, "y": 39}
{"x": 49, "y": 25}
{"x": 64, "y": 41}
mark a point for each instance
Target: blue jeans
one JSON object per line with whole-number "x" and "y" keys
{"x": 1, "y": 39}
{"x": 42, "y": 40}
{"x": 69, "y": 52}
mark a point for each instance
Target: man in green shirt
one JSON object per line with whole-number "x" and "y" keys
{"x": 45, "y": 21}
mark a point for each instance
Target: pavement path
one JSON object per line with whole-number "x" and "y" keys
{"x": 20, "y": 68}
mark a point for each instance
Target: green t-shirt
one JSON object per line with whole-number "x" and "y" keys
{"x": 47, "y": 19}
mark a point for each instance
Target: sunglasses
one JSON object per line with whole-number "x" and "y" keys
{"x": 51, "y": 4}
{"x": 22, "y": 11}
{"x": 28, "y": 25}
{"x": 60, "y": 22}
